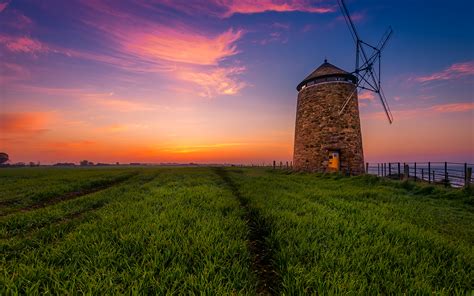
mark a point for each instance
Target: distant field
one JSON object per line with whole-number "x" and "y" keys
{"x": 223, "y": 231}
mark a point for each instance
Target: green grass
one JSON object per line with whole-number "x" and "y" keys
{"x": 24, "y": 187}
{"x": 175, "y": 233}
{"x": 333, "y": 234}
{"x": 182, "y": 231}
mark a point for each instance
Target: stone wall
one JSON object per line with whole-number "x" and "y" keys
{"x": 320, "y": 129}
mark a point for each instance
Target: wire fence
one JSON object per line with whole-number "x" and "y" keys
{"x": 450, "y": 174}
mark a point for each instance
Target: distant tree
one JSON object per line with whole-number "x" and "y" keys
{"x": 64, "y": 164}
{"x": 85, "y": 163}
{"x": 3, "y": 157}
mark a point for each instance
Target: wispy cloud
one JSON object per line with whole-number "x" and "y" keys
{"x": 15, "y": 19}
{"x": 114, "y": 128}
{"x": 212, "y": 82}
{"x": 184, "y": 53}
{"x": 366, "y": 95}
{"x": 198, "y": 148}
{"x": 454, "y": 71}
{"x": 460, "y": 107}
{"x": 251, "y": 6}
{"x": 355, "y": 16}
{"x": 450, "y": 108}
{"x": 182, "y": 46}
{"x": 179, "y": 51}
{"x": 228, "y": 8}
{"x": 282, "y": 26}
{"x": 11, "y": 72}
{"x": 24, "y": 122}
{"x": 123, "y": 105}
{"x": 23, "y": 44}
{"x": 274, "y": 37}
{"x": 3, "y": 5}
{"x": 78, "y": 144}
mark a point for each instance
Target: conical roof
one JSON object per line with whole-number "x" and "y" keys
{"x": 326, "y": 69}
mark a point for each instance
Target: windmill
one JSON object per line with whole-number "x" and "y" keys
{"x": 368, "y": 63}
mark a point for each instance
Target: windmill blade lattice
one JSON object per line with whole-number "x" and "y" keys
{"x": 368, "y": 67}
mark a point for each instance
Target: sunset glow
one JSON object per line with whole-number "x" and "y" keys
{"x": 214, "y": 81}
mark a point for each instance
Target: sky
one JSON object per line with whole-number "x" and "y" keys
{"x": 215, "y": 81}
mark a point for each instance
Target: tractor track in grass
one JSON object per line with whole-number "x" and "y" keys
{"x": 268, "y": 280}
{"x": 70, "y": 217}
{"x": 66, "y": 196}
{"x": 27, "y": 232}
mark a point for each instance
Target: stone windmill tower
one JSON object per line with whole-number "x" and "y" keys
{"x": 327, "y": 134}
{"x": 324, "y": 140}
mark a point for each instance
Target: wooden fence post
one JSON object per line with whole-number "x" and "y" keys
{"x": 389, "y": 169}
{"x": 433, "y": 176}
{"x": 422, "y": 174}
{"x": 366, "y": 167}
{"x": 429, "y": 172}
{"x": 465, "y": 174}
{"x": 399, "y": 173}
{"x": 287, "y": 166}
{"x": 446, "y": 179}
{"x": 467, "y": 182}
{"x": 415, "y": 171}
{"x": 274, "y": 164}
{"x": 406, "y": 171}
{"x": 281, "y": 164}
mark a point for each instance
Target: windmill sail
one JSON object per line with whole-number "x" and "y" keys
{"x": 367, "y": 68}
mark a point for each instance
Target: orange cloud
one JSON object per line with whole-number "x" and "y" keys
{"x": 114, "y": 128}
{"x": 183, "y": 46}
{"x": 157, "y": 42}
{"x": 453, "y": 72}
{"x": 195, "y": 50}
{"x": 80, "y": 144}
{"x": 122, "y": 105}
{"x": 215, "y": 81}
{"x": 24, "y": 123}
{"x": 200, "y": 148}
{"x": 178, "y": 51}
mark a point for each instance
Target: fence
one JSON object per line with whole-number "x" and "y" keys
{"x": 282, "y": 165}
{"x": 447, "y": 173}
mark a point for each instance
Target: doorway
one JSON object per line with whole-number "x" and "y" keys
{"x": 334, "y": 161}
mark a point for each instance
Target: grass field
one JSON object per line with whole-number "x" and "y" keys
{"x": 226, "y": 231}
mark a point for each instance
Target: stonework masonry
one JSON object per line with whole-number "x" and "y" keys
{"x": 320, "y": 129}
